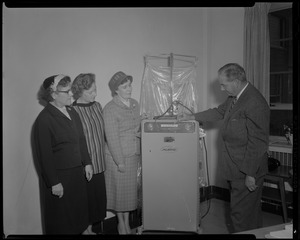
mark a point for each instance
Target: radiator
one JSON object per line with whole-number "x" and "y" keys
{"x": 285, "y": 156}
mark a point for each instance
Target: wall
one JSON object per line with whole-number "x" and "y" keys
{"x": 225, "y": 45}
{"x": 38, "y": 43}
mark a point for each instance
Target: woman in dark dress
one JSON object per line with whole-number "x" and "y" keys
{"x": 90, "y": 112}
{"x": 64, "y": 160}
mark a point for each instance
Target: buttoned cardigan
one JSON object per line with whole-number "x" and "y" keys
{"x": 122, "y": 124}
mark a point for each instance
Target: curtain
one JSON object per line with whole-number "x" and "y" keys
{"x": 257, "y": 47}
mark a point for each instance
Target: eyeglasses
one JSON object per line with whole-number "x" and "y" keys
{"x": 67, "y": 91}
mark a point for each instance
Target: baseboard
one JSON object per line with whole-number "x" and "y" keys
{"x": 221, "y": 193}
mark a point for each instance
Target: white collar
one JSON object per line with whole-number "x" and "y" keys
{"x": 240, "y": 93}
{"x": 127, "y": 103}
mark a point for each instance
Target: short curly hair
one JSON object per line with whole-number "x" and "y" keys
{"x": 46, "y": 94}
{"x": 82, "y": 82}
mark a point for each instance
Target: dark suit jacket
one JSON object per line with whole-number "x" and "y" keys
{"x": 60, "y": 142}
{"x": 245, "y": 133}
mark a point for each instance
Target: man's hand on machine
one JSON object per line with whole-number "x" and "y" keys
{"x": 145, "y": 116}
{"x": 185, "y": 117}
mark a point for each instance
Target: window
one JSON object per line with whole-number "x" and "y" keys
{"x": 281, "y": 70}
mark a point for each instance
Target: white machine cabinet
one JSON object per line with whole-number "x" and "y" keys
{"x": 170, "y": 171}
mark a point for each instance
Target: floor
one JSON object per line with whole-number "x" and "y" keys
{"x": 215, "y": 220}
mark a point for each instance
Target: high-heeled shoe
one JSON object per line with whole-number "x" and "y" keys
{"x": 121, "y": 229}
{"x": 128, "y": 229}
{"x": 88, "y": 231}
{"x": 92, "y": 233}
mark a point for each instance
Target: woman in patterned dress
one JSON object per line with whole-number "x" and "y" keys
{"x": 122, "y": 124}
{"x": 90, "y": 112}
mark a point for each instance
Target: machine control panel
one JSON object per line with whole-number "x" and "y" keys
{"x": 169, "y": 127}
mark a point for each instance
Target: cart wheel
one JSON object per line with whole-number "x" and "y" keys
{"x": 199, "y": 230}
{"x": 139, "y": 230}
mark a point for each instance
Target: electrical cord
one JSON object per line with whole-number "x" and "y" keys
{"x": 174, "y": 102}
{"x": 207, "y": 176}
{"x": 180, "y": 103}
{"x": 160, "y": 116}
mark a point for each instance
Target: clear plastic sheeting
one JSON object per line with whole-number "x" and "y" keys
{"x": 168, "y": 88}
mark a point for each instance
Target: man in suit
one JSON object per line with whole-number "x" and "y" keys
{"x": 245, "y": 135}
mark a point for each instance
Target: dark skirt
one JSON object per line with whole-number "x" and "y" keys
{"x": 68, "y": 214}
{"x": 97, "y": 198}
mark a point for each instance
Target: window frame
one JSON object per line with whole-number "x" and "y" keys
{"x": 280, "y": 106}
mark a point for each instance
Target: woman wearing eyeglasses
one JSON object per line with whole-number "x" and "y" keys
{"x": 64, "y": 160}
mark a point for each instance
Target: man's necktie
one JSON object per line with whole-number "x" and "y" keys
{"x": 233, "y": 102}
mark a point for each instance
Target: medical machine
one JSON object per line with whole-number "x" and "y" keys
{"x": 171, "y": 170}
{"x": 171, "y": 155}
